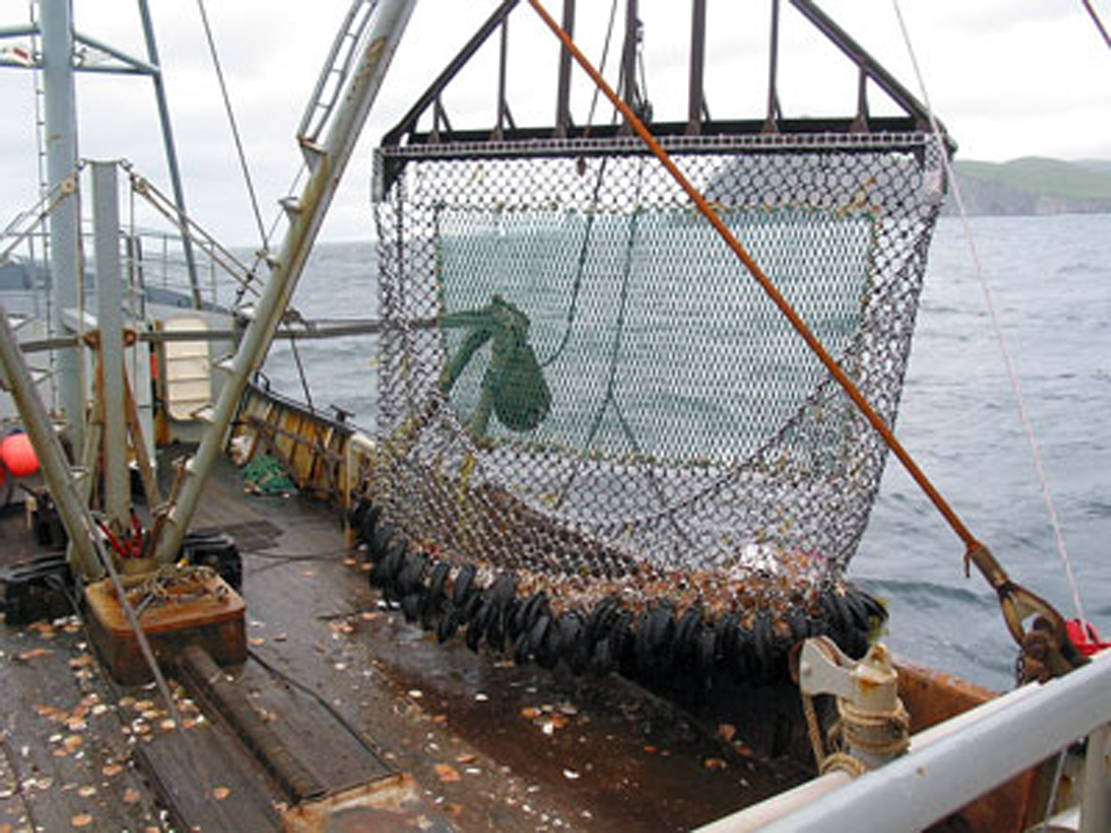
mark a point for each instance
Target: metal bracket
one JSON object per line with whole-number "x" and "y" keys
{"x": 874, "y": 722}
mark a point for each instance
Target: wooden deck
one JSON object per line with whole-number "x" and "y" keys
{"x": 357, "y": 694}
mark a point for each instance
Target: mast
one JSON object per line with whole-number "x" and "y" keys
{"x": 61, "y": 164}
{"x": 326, "y": 162}
{"x": 60, "y": 123}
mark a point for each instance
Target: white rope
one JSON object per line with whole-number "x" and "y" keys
{"x": 1012, "y": 376}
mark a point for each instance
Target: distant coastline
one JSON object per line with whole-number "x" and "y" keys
{"x": 1033, "y": 186}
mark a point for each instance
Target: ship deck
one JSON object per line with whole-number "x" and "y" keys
{"x": 356, "y": 694}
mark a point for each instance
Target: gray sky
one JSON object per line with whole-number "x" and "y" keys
{"x": 1009, "y": 79}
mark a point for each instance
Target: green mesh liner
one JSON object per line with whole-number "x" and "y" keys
{"x": 735, "y": 370}
{"x": 683, "y": 420}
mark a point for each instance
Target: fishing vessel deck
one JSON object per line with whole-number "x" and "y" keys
{"x": 623, "y": 549}
{"x": 358, "y": 694}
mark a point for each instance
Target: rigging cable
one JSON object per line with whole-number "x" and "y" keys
{"x": 260, "y": 256}
{"x": 1097, "y": 22}
{"x": 234, "y": 126}
{"x": 301, "y": 373}
{"x": 602, "y": 69}
{"x": 1008, "y": 362}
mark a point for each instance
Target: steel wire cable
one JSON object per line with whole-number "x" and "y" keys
{"x": 1098, "y": 23}
{"x": 234, "y": 126}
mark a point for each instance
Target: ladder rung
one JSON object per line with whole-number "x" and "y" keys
{"x": 312, "y": 153}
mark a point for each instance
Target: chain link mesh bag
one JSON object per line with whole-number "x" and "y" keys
{"x": 610, "y": 415}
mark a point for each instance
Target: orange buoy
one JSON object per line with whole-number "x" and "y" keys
{"x": 18, "y": 455}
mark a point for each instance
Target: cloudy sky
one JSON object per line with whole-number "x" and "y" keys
{"x": 1008, "y": 78}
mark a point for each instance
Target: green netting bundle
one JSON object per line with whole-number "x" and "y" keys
{"x": 513, "y": 384}
{"x": 265, "y": 476}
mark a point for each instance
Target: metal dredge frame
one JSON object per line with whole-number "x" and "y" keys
{"x": 504, "y": 133}
{"x": 641, "y": 513}
{"x": 799, "y": 475}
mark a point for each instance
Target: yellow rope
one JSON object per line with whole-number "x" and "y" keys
{"x": 877, "y": 733}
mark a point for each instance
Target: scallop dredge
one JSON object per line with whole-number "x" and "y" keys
{"x": 598, "y": 442}
{"x": 648, "y": 624}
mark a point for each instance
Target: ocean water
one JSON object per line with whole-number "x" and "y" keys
{"x": 1051, "y": 281}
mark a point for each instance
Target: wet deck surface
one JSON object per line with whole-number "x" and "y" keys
{"x": 356, "y": 692}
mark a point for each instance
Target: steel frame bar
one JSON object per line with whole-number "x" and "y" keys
{"x": 563, "y": 91}
{"x": 538, "y": 140}
{"x": 503, "y": 50}
{"x": 628, "y": 87}
{"x": 19, "y": 31}
{"x": 408, "y": 122}
{"x": 869, "y": 65}
{"x": 695, "y": 93}
{"x": 697, "y": 122}
{"x": 52, "y": 459}
{"x": 771, "y": 115}
{"x": 136, "y": 65}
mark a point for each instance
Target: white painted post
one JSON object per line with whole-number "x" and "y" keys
{"x": 109, "y": 322}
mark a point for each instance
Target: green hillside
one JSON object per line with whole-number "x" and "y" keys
{"x": 1087, "y": 179}
{"x": 1101, "y": 165}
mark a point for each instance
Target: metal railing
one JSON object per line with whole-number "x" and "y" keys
{"x": 966, "y": 757}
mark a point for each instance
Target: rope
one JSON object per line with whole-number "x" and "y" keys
{"x": 260, "y": 256}
{"x": 323, "y": 701}
{"x": 817, "y": 746}
{"x": 1012, "y": 375}
{"x": 831, "y": 365}
{"x": 843, "y": 760}
{"x": 884, "y": 734}
{"x": 234, "y": 126}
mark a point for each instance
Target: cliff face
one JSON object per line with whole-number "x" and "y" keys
{"x": 1033, "y": 186}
